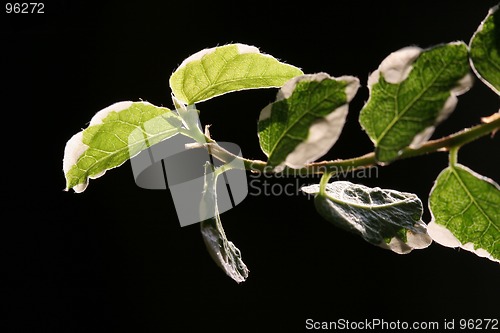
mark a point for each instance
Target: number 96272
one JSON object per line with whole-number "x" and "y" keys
{"x": 24, "y": 8}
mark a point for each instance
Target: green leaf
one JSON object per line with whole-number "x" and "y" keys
{"x": 411, "y": 92}
{"x": 220, "y": 70}
{"x": 115, "y": 134}
{"x": 306, "y": 119}
{"x": 465, "y": 209}
{"x": 485, "y": 50}
{"x": 386, "y": 218}
{"x": 223, "y": 252}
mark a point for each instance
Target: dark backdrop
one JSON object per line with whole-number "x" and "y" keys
{"x": 115, "y": 258}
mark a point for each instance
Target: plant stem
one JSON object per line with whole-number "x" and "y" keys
{"x": 444, "y": 144}
{"x": 453, "y": 155}
{"x": 323, "y": 182}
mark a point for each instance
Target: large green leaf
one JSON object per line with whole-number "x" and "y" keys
{"x": 306, "y": 119}
{"x": 219, "y": 70}
{"x": 412, "y": 91}
{"x": 386, "y": 218}
{"x": 485, "y": 50}
{"x": 465, "y": 209}
{"x": 226, "y": 255}
{"x": 115, "y": 134}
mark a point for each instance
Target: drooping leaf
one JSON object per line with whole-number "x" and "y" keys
{"x": 223, "y": 252}
{"x": 386, "y": 218}
{"x": 465, "y": 209}
{"x": 306, "y": 119}
{"x": 114, "y": 135}
{"x": 411, "y": 92}
{"x": 485, "y": 50}
{"x": 220, "y": 70}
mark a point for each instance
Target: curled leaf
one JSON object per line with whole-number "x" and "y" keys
{"x": 386, "y": 218}
{"x": 223, "y": 252}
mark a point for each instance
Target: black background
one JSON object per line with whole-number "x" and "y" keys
{"x": 114, "y": 258}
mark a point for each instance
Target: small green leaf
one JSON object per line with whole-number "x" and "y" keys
{"x": 223, "y": 252}
{"x": 485, "y": 50}
{"x": 306, "y": 119}
{"x": 465, "y": 209}
{"x": 386, "y": 218}
{"x": 412, "y": 91}
{"x": 115, "y": 134}
{"x": 220, "y": 70}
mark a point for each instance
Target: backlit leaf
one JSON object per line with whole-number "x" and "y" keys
{"x": 465, "y": 209}
{"x": 223, "y": 69}
{"x": 115, "y": 134}
{"x": 411, "y": 92}
{"x": 306, "y": 119}
{"x": 485, "y": 50}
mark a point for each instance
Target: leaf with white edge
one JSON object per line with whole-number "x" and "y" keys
{"x": 386, "y": 218}
{"x": 306, "y": 119}
{"x": 220, "y": 70}
{"x": 485, "y": 50}
{"x": 223, "y": 252}
{"x": 114, "y": 135}
{"x": 465, "y": 209}
{"x": 411, "y": 92}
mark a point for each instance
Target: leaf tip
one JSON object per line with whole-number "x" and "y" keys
{"x": 443, "y": 236}
{"x": 396, "y": 67}
{"x": 98, "y": 118}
